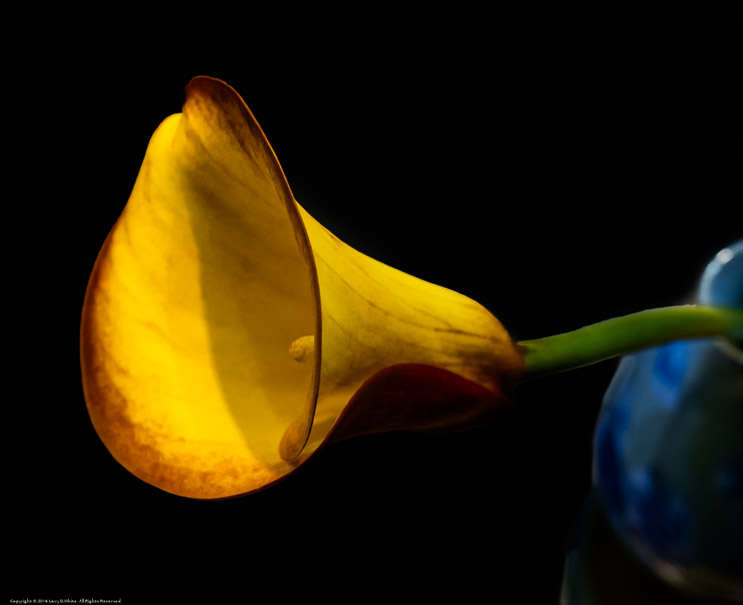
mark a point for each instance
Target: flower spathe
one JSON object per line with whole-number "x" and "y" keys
{"x": 226, "y": 335}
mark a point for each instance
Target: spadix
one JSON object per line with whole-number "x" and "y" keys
{"x": 226, "y": 335}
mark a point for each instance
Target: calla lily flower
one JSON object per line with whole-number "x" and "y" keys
{"x": 226, "y": 335}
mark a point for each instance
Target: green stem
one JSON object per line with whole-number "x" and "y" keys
{"x": 623, "y": 335}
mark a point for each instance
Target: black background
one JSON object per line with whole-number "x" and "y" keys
{"x": 559, "y": 165}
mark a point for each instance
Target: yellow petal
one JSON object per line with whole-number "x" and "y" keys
{"x": 222, "y": 323}
{"x": 195, "y": 298}
{"x": 376, "y": 318}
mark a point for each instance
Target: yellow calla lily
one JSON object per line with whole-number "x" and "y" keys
{"x": 226, "y": 335}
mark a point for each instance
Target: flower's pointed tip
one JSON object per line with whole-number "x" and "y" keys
{"x": 219, "y": 93}
{"x": 206, "y": 83}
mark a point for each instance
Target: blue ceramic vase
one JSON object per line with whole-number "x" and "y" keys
{"x": 668, "y": 455}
